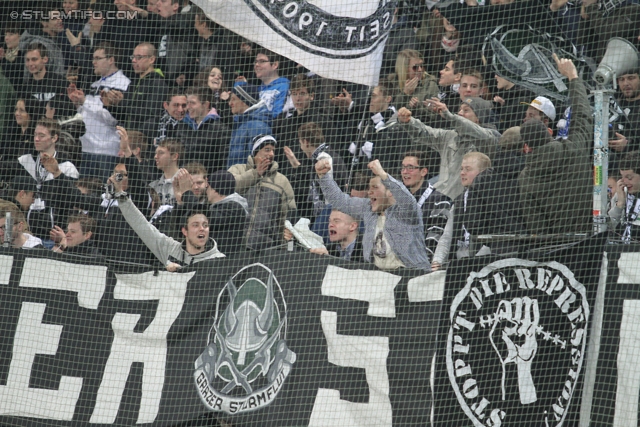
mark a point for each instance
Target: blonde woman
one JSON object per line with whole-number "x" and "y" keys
{"x": 414, "y": 85}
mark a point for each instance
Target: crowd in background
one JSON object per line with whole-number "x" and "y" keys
{"x": 164, "y": 137}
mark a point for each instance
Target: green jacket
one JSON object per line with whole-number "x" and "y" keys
{"x": 556, "y": 185}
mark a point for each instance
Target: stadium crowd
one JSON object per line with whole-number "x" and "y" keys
{"x": 166, "y": 138}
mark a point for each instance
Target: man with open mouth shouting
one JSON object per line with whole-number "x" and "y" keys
{"x": 196, "y": 247}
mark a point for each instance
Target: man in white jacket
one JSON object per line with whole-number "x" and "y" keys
{"x": 100, "y": 111}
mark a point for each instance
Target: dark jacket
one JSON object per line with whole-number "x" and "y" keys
{"x": 356, "y": 254}
{"x": 114, "y": 237}
{"x": 85, "y": 248}
{"x": 285, "y": 130}
{"x": 143, "y": 99}
{"x": 15, "y": 143}
{"x": 271, "y": 202}
{"x": 207, "y": 143}
{"x": 479, "y": 210}
{"x": 54, "y": 192}
{"x": 512, "y": 112}
{"x": 218, "y": 50}
{"x": 304, "y": 180}
{"x": 382, "y": 139}
{"x": 163, "y": 126}
{"x": 174, "y": 38}
{"x": 556, "y": 185}
{"x": 227, "y": 223}
{"x": 13, "y": 71}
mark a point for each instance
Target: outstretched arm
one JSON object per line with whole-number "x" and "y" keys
{"x": 353, "y": 206}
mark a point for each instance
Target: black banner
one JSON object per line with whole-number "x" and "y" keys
{"x": 617, "y": 377}
{"x": 513, "y": 338}
{"x": 280, "y": 339}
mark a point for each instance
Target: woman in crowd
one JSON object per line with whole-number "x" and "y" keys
{"x": 18, "y": 138}
{"x": 413, "y": 84}
{"x": 214, "y": 80}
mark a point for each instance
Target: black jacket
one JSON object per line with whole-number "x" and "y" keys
{"x": 303, "y": 179}
{"x": 356, "y": 255}
{"x": 55, "y": 193}
{"x": 512, "y": 112}
{"x": 114, "y": 237}
{"x": 208, "y": 145}
{"x": 375, "y": 138}
{"x": 85, "y": 248}
{"x": 484, "y": 211}
{"x": 143, "y": 99}
{"x": 174, "y": 37}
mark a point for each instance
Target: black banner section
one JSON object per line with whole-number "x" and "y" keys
{"x": 513, "y": 338}
{"x": 617, "y": 379}
{"x": 286, "y": 339}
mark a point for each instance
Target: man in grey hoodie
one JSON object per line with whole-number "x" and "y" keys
{"x": 196, "y": 247}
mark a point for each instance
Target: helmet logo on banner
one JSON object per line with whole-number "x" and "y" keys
{"x": 328, "y": 28}
{"x": 246, "y": 361}
{"x": 516, "y": 342}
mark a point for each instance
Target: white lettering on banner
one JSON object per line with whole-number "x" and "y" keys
{"x": 626, "y": 398}
{"x": 628, "y": 265}
{"x": 148, "y": 347}
{"x": 428, "y": 287}
{"x": 17, "y": 398}
{"x": 32, "y": 337}
{"x": 88, "y": 281}
{"x": 369, "y": 353}
{"x": 5, "y": 269}
{"x": 374, "y": 287}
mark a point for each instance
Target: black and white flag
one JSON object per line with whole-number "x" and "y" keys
{"x": 336, "y": 39}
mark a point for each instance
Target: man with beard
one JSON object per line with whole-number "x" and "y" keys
{"x": 626, "y": 133}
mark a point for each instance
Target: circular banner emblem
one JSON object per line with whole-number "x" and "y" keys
{"x": 516, "y": 343}
{"x": 322, "y": 28}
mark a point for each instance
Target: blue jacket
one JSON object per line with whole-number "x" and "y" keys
{"x": 245, "y": 128}
{"x": 274, "y": 95}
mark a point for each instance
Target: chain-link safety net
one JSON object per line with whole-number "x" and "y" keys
{"x": 292, "y": 213}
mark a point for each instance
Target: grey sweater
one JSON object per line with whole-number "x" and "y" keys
{"x": 452, "y": 145}
{"x": 163, "y": 247}
{"x": 403, "y": 227}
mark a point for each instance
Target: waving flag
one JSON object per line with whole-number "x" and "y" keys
{"x": 337, "y": 39}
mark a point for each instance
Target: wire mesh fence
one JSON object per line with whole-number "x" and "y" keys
{"x": 319, "y": 212}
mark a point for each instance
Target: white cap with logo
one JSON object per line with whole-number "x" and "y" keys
{"x": 544, "y": 105}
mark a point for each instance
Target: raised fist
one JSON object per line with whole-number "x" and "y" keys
{"x": 518, "y": 321}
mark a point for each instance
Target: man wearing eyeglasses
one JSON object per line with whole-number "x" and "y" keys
{"x": 435, "y": 205}
{"x": 101, "y": 110}
{"x": 274, "y": 89}
{"x": 148, "y": 90}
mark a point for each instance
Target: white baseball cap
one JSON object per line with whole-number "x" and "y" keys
{"x": 544, "y": 105}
